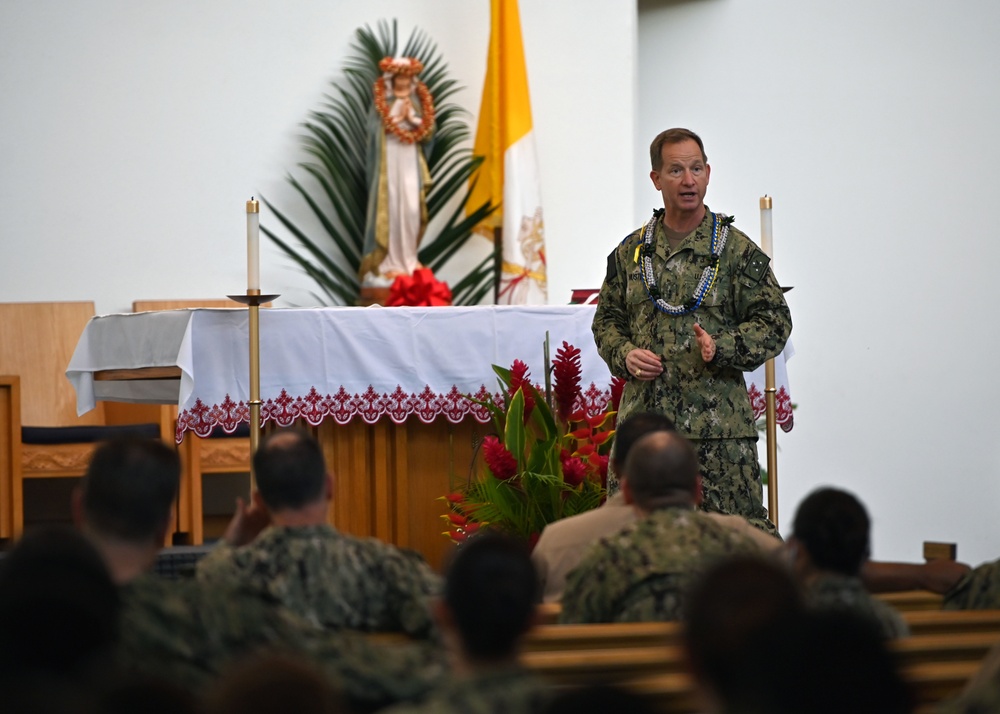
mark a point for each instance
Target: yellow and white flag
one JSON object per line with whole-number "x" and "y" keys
{"x": 509, "y": 174}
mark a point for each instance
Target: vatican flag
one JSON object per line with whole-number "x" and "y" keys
{"x": 509, "y": 173}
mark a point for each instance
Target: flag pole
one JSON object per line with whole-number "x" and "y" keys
{"x": 770, "y": 392}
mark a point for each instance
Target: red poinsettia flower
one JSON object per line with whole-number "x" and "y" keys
{"x": 500, "y": 461}
{"x": 574, "y": 471}
{"x": 520, "y": 378}
{"x": 566, "y": 379}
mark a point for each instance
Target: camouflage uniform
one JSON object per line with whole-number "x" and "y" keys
{"x": 746, "y": 315}
{"x": 978, "y": 590}
{"x": 187, "y": 633}
{"x": 512, "y": 689}
{"x": 641, "y": 573}
{"x": 846, "y": 594}
{"x": 330, "y": 579}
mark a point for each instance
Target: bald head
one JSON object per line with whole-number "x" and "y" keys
{"x": 661, "y": 470}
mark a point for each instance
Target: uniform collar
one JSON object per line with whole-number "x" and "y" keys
{"x": 698, "y": 241}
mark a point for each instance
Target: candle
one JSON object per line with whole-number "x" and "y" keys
{"x": 766, "y": 237}
{"x": 253, "y": 245}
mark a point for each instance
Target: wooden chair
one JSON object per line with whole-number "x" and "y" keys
{"x": 53, "y": 442}
{"x": 217, "y": 454}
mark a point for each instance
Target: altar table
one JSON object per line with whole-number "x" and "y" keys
{"x": 385, "y": 389}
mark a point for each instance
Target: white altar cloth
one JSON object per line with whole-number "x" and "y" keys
{"x": 341, "y": 363}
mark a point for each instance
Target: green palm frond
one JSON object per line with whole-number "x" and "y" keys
{"x": 334, "y": 187}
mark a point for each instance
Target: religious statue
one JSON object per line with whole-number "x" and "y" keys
{"x": 397, "y": 201}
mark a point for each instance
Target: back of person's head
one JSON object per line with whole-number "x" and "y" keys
{"x": 833, "y": 526}
{"x": 828, "y": 662}
{"x": 273, "y": 684}
{"x": 58, "y": 606}
{"x": 130, "y": 487}
{"x": 290, "y": 470}
{"x": 661, "y": 470}
{"x": 490, "y": 591}
{"x": 726, "y": 609}
{"x": 630, "y": 430}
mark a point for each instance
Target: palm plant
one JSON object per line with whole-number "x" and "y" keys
{"x": 336, "y": 140}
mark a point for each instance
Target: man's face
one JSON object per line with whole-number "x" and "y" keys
{"x": 683, "y": 178}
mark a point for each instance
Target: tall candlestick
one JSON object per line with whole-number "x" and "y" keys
{"x": 766, "y": 237}
{"x": 253, "y": 245}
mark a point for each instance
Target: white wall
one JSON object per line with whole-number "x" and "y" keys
{"x": 132, "y": 133}
{"x": 873, "y": 125}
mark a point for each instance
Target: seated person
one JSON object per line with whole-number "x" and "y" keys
{"x": 564, "y": 542}
{"x": 728, "y": 609}
{"x": 642, "y": 572}
{"x": 185, "y": 632}
{"x": 977, "y": 590}
{"x": 488, "y": 607}
{"x": 283, "y": 548}
{"x": 829, "y": 544}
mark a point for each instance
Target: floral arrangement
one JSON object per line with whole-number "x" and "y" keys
{"x": 548, "y": 459}
{"x": 421, "y": 289}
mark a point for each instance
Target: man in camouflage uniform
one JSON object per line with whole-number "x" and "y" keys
{"x": 283, "y": 548}
{"x": 487, "y": 607}
{"x": 829, "y": 544}
{"x": 688, "y": 304}
{"x": 642, "y": 572}
{"x": 979, "y": 589}
{"x": 187, "y": 633}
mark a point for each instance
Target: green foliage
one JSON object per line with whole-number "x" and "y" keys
{"x": 336, "y": 195}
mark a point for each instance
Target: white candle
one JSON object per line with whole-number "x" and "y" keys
{"x": 253, "y": 245}
{"x": 766, "y": 237}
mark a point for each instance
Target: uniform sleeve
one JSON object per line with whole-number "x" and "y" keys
{"x": 412, "y": 584}
{"x": 611, "y": 329}
{"x": 218, "y": 565}
{"x": 764, "y": 321}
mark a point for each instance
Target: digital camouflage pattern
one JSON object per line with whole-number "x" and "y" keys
{"x": 744, "y": 312}
{"x": 496, "y": 692}
{"x": 731, "y": 480}
{"x": 329, "y": 579}
{"x": 978, "y": 590}
{"x": 842, "y": 593}
{"x": 641, "y": 573}
{"x": 188, "y": 633}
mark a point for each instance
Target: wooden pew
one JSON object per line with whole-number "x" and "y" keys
{"x": 910, "y": 600}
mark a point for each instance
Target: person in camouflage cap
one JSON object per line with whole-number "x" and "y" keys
{"x": 283, "y": 548}
{"x": 688, "y": 304}
{"x": 642, "y": 572}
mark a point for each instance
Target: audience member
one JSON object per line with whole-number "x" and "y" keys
{"x": 727, "y": 613}
{"x": 488, "y": 606}
{"x": 826, "y": 662}
{"x": 642, "y": 572}
{"x": 58, "y": 623}
{"x": 829, "y": 544}
{"x": 982, "y": 693}
{"x": 979, "y": 589}
{"x": 563, "y": 543}
{"x": 187, "y": 632}
{"x": 283, "y": 547}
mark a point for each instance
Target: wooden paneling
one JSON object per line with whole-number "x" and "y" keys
{"x": 10, "y": 454}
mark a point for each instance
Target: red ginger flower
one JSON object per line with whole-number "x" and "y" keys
{"x": 500, "y": 461}
{"x": 566, "y": 383}
{"x": 574, "y": 471}
{"x": 520, "y": 379}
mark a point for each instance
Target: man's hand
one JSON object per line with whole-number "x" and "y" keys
{"x": 705, "y": 343}
{"x": 246, "y": 524}
{"x": 643, "y": 365}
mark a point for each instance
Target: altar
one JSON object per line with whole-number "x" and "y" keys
{"x": 384, "y": 389}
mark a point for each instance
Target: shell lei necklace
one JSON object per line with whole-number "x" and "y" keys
{"x": 720, "y": 231}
